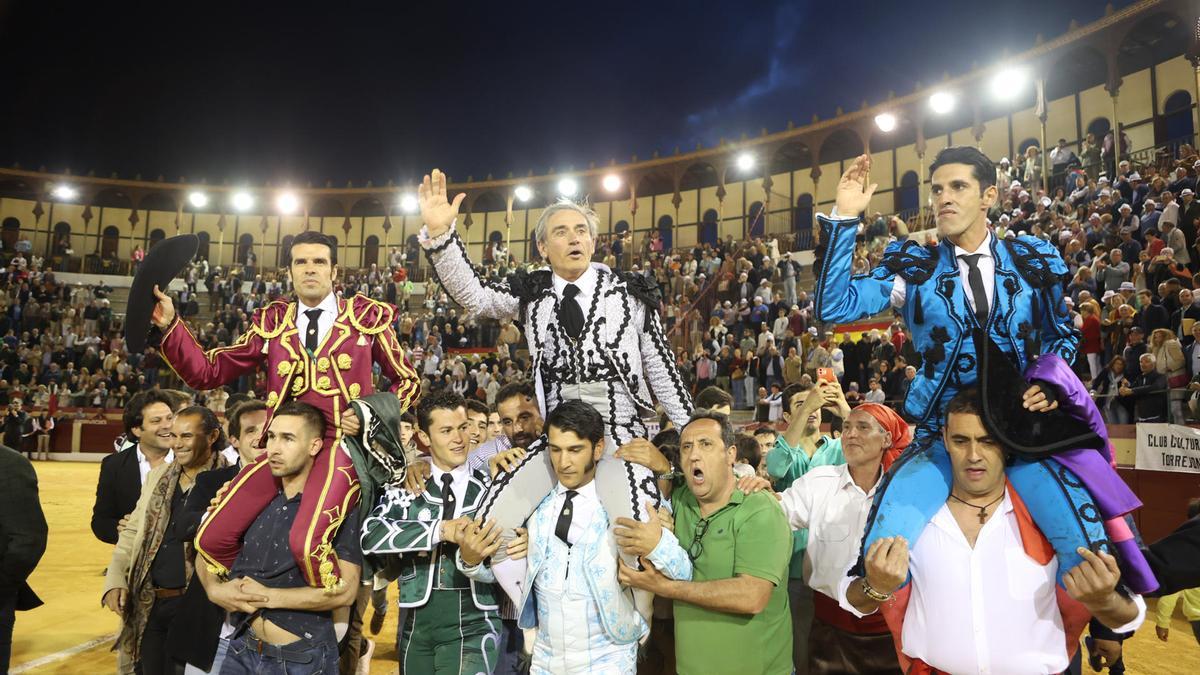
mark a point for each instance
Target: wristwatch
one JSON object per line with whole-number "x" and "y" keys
{"x": 872, "y": 593}
{"x": 672, "y": 473}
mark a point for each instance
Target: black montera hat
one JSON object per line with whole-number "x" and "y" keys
{"x": 1032, "y": 435}
{"x": 163, "y": 263}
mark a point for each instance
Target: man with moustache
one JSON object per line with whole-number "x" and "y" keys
{"x": 451, "y": 624}
{"x": 982, "y": 595}
{"x": 151, "y": 564}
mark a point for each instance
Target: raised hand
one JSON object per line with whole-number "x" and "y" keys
{"x": 854, "y": 190}
{"x": 437, "y": 211}
{"x": 164, "y": 311}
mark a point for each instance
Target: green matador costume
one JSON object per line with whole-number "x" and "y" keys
{"x": 453, "y": 626}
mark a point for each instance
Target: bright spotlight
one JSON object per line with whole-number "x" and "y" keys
{"x": 567, "y": 187}
{"x": 885, "y": 121}
{"x": 287, "y": 202}
{"x": 65, "y": 192}
{"x": 408, "y": 204}
{"x": 523, "y": 193}
{"x": 745, "y": 161}
{"x": 1008, "y": 83}
{"x": 612, "y": 182}
{"x": 242, "y": 201}
{"x": 198, "y": 200}
{"x": 942, "y": 102}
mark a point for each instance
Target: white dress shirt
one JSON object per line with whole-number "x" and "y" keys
{"x": 144, "y": 462}
{"x": 583, "y": 508}
{"x": 586, "y": 284}
{"x": 834, "y": 509}
{"x": 458, "y": 485}
{"x": 987, "y": 609}
{"x": 987, "y": 268}
{"x": 329, "y": 310}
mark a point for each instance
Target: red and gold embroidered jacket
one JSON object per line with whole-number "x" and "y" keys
{"x": 340, "y": 371}
{"x": 362, "y": 334}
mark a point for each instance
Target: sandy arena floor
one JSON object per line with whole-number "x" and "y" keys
{"x": 72, "y": 633}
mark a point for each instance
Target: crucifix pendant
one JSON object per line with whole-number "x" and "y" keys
{"x": 982, "y": 515}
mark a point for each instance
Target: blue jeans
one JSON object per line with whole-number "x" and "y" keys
{"x": 302, "y": 658}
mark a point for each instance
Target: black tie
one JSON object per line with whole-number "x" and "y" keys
{"x": 564, "y": 518}
{"x": 572, "y": 313}
{"x": 449, "y": 501}
{"x": 310, "y": 335}
{"x": 975, "y": 279}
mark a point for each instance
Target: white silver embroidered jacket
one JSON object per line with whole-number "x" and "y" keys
{"x": 622, "y": 344}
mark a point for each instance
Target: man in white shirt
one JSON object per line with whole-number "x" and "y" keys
{"x": 833, "y": 502}
{"x": 983, "y": 596}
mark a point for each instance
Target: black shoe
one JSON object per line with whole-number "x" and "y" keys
{"x": 377, "y": 622}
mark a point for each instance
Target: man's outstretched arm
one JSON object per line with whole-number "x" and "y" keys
{"x": 840, "y": 296}
{"x": 448, "y": 255}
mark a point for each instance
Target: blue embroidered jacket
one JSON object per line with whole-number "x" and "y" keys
{"x": 1027, "y": 316}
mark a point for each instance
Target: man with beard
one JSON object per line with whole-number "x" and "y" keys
{"x": 150, "y": 567}
{"x": 586, "y": 621}
{"x": 147, "y": 419}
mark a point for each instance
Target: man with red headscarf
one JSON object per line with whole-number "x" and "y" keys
{"x": 833, "y": 503}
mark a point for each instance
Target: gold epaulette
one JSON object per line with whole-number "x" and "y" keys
{"x": 369, "y": 316}
{"x": 272, "y": 319}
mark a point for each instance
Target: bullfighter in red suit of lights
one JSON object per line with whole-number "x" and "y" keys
{"x": 349, "y": 335}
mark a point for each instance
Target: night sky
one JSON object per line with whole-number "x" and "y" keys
{"x": 264, "y": 91}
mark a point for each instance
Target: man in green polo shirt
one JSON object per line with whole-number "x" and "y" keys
{"x": 732, "y": 617}
{"x": 801, "y": 448}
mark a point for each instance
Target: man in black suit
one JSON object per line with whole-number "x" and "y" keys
{"x": 195, "y": 637}
{"x": 148, "y": 417}
{"x": 1149, "y": 391}
{"x": 22, "y": 543}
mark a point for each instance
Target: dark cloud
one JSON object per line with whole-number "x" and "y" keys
{"x": 377, "y": 91}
